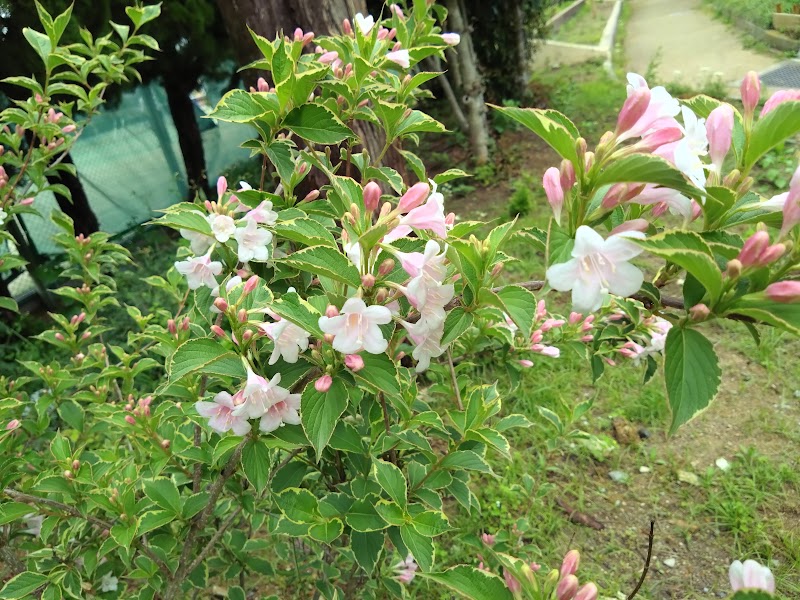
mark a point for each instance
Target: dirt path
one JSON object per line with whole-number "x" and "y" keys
{"x": 688, "y": 43}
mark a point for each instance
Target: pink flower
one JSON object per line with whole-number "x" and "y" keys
{"x": 751, "y": 92}
{"x": 199, "y": 242}
{"x": 512, "y": 584}
{"x": 328, "y": 57}
{"x": 428, "y": 342}
{"x": 414, "y": 196}
{"x": 451, "y": 39}
{"x": 354, "y": 362}
{"x": 791, "y": 206}
{"x": 488, "y": 539}
{"x": 660, "y": 113}
{"x": 221, "y": 417}
{"x": 526, "y": 363}
{"x": 598, "y": 266}
{"x": 262, "y": 213}
{"x": 554, "y": 192}
{"x": 289, "y": 340}
{"x": 323, "y": 384}
{"x": 570, "y": 564}
{"x": 567, "y": 588}
{"x": 633, "y": 109}
{"x": 751, "y": 576}
{"x": 372, "y": 196}
{"x": 222, "y": 226}
{"x": 777, "y": 98}
{"x": 13, "y": 424}
{"x": 674, "y": 200}
{"x": 429, "y": 297}
{"x": 253, "y": 242}
{"x": 428, "y": 216}
{"x": 632, "y": 225}
{"x": 259, "y": 395}
{"x": 587, "y": 592}
{"x": 430, "y": 263}
{"x": 406, "y": 570}
{"x": 719, "y": 128}
{"x": 282, "y": 412}
{"x": 785, "y": 292}
{"x": 399, "y": 57}
{"x": 357, "y": 327}
{"x": 199, "y": 271}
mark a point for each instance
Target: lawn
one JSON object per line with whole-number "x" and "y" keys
{"x": 586, "y": 27}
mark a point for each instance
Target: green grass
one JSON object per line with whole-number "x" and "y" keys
{"x": 586, "y": 27}
{"x": 758, "y": 12}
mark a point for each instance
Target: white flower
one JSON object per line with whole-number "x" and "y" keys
{"x": 400, "y": 57}
{"x": 220, "y": 414}
{"x": 451, "y": 39}
{"x": 199, "y": 242}
{"x": 284, "y": 411}
{"x": 353, "y": 252}
{"x": 430, "y": 263}
{"x": 691, "y": 147}
{"x": 222, "y": 226}
{"x": 3, "y": 215}
{"x": 262, "y": 213}
{"x": 429, "y": 297}
{"x": 428, "y": 342}
{"x": 253, "y": 242}
{"x": 200, "y": 271}
{"x": 108, "y": 583}
{"x": 289, "y": 340}
{"x": 751, "y": 576}
{"x": 677, "y": 202}
{"x": 365, "y": 24}
{"x": 598, "y": 266}
{"x": 259, "y": 395}
{"x": 775, "y": 203}
{"x": 357, "y": 328}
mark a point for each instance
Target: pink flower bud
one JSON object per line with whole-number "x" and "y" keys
{"x": 323, "y": 384}
{"x": 221, "y": 304}
{"x": 308, "y": 37}
{"x": 660, "y": 137}
{"x": 414, "y": 197}
{"x": 68, "y": 128}
{"x": 372, "y": 196}
{"x": 719, "y": 128}
{"x": 383, "y": 33}
{"x": 771, "y": 254}
{"x": 488, "y": 539}
{"x": 570, "y": 564}
{"x": 587, "y": 592}
{"x": 392, "y": 33}
{"x": 751, "y": 92}
{"x": 81, "y": 317}
{"x": 76, "y": 464}
{"x": 311, "y": 196}
{"x": 130, "y": 420}
{"x": 777, "y": 98}
{"x": 541, "y": 310}
{"x": 450, "y": 219}
{"x": 242, "y": 315}
{"x": 451, "y": 39}
{"x": 298, "y": 34}
{"x": 250, "y": 284}
{"x": 79, "y": 357}
{"x": 567, "y": 588}
{"x": 386, "y": 267}
{"x": 587, "y": 338}
{"x": 574, "y": 318}
{"x": 633, "y": 109}
{"x": 632, "y": 225}
{"x": 785, "y": 292}
{"x": 13, "y": 424}
{"x": 396, "y": 10}
{"x": 699, "y": 312}
{"x": 165, "y": 444}
{"x": 331, "y": 311}
{"x": 525, "y": 363}
{"x": 512, "y": 584}
{"x": 368, "y": 280}
{"x": 347, "y": 27}
{"x": 26, "y": 202}
{"x": 59, "y": 336}
{"x": 218, "y": 331}
{"x": 261, "y": 86}
{"x": 68, "y": 474}
{"x": 567, "y": 173}
{"x": 328, "y": 57}
{"x": 753, "y": 248}
{"x": 185, "y": 323}
{"x": 354, "y": 362}
{"x": 86, "y": 335}
{"x": 554, "y": 191}
{"x": 733, "y": 269}
{"x": 247, "y": 336}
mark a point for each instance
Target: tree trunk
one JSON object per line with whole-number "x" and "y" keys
{"x": 447, "y": 89}
{"x": 323, "y": 17}
{"x": 472, "y": 84}
{"x": 78, "y": 208}
{"x": 181, "y": 108}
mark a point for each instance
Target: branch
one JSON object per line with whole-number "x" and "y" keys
{"x": 214, "y": 539}
{"x": 22, "y": 497}
{"x": 647, "y": 560}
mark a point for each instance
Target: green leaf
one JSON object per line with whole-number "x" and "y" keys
{"x": 294, "y": 309}
{"x": 72, "y": 414}
{"x": 317, "y": 124}
{"x": 305, "y": 231}
{"x": 256, "y": 462}
{"x": 184, "y": 216}
{"x": 510, "y": 421}
{"x": 206, "y": 355}
{"x": 467, "y": 460}
{"x": 327, "y": 531}
{"x": 22, "y": 585}
{"x": 11, "y": 511}
{"x": 778, "y": 314}
{"x": 140, "y": 15}
{"x": 691, "y": 372}
{"x": 153, "y": 519}
{"x": 299, "y": 505}
{"x": 689, "y": 251}
{"x": 240, "y": 106}
{"x": 325, "y": 261}
{"x": 782, "y": 123}
{"x": 39, "y": 42}
{"x": 520, "y": 304}
{"x": 547, "y": 126}
{"x": 279, "y": 153}
{"x": 645, "y": 168}
{"x": 367, "y": 547}
{"x": 418, "y": 122}
{"x": 472, "y": 583}
{"x": 379, "y": 374}
{"x": 457, "y": 322}
{"x": 164, "y": 493}
{"x": 420, "y": 547}
{"x": 431, "y": 523}
{"x": 236, "y": 593}
{"x": 320, "y": 412}
{"x": 392, "y": 480}
{"x": 363, "y": 517}
{"x": 124, "y": 534}
{"x": 449, "y": 175}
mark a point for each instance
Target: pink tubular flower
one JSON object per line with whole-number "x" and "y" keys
{"x": 220, "y": 415}
{"x": 633, "y": 109}
{"x": 429, "y": 297}
{"x": 13, "y": 424}
{"x": 587, "y": 592}
{"x": 525, "y": 363}
{"x": 791, "y": 206}
{"x": 488, "y": 539}
{"x": 323, "y": 384}
{"x": 222, "y": 183}
{"x": 397, "y": 10}
{"x": 661, "y": 110}
{"x": 660, "y": 137}
{"x": 357, "y": 327}
{"x": 414, "y": 197}
{"x": 751, "y": 92}
{"x": 252, "y": 242}
{"x": 451, "y": 39}
{"x": 328, "y": 57}
{"x": 259, "y": 395}
{"x": 669, "y": 198}
{"x": 427, "y": 337}
{"x": 598, "y": 266}
{"x": 719, "y": 128}
{"x": 430, "y": 263}
{"x": 199, "y": 271}
{"x": 567, "y": 588}
{"x": 512, "y": 584}
{"x": 289, "y": 340}
{"x": 199, "y": 242}
{"x": 372, "y": 196}
{"x": 354, "y": 362}
{"x": 753, "y": 248}
{"x": 428, "y": 216}
{"x": 554, "y": 192}
{"x": 262, "y": 213}
{"x": 282, "y": 412}
{"x": 406, "y": 570}
{"x": 777, "y": 98}
{"x": 785, "y": 292}
{"x": 570, "y": 564}
{"x": 632, "y": 225}
{"x": 751, "y": 576}
{"x": 400, "y": 57}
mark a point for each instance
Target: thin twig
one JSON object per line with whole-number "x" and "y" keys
{"x": 214, "y": 539}
{"x": 647, "y": 560}
{"x": 455, "y": 380}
